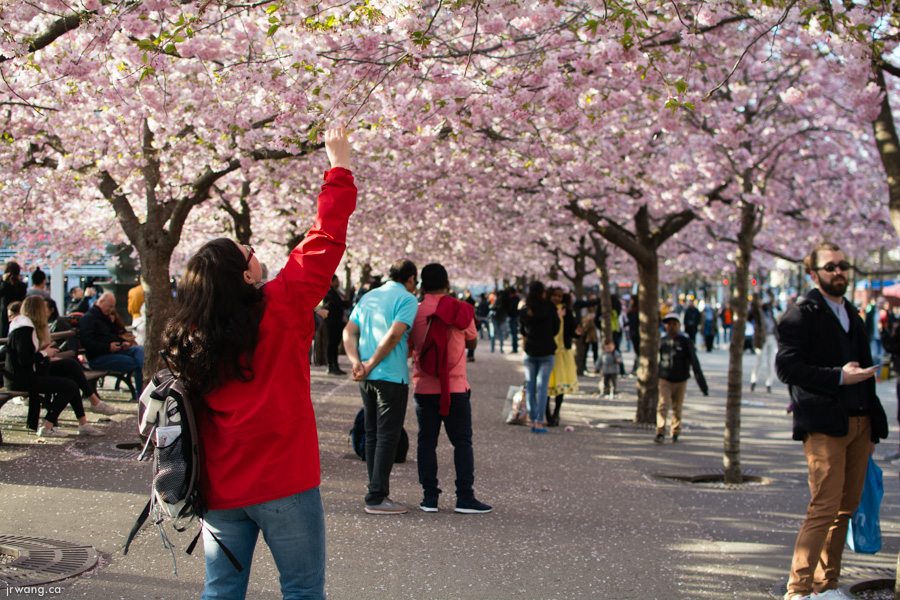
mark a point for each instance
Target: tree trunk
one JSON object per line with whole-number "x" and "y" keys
{"x": 605, "y": 308}
{"x": 158, "y": 294}
{"x": 888, "y": 147}
{"x": 648, "y": 365}
{"x": 732, "y": 443}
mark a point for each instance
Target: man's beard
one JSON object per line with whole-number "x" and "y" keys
{"x": 837, "y": 287}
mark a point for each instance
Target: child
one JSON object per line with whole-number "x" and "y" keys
{"x": 609, "y": 366}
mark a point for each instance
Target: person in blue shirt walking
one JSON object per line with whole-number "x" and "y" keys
{"x": 375, "y": 341}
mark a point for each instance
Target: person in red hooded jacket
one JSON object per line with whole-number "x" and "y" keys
{"x": 442, "y": 331}
{"x": 242, "y": 349}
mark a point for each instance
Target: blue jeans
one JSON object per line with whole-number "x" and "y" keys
{"x": 537, "y": 380}
{"x": 123, "y": 361}
{"x": 498, "y": 332}
{"x": 293, "y": 528}
{"x": 458, "y": 425}
{"x": 385, "y": 403}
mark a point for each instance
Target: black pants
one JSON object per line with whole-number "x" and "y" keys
{"x": 62, "y": 392}
{"x": 70, "y": 368}
{"x": 385, "y": 404}
{"x": 335, "y": 329}
{"x": 709, "y": 341}
{"x": 458, "y": 425}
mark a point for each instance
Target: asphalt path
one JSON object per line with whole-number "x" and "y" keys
{"x": 586, "y": 513}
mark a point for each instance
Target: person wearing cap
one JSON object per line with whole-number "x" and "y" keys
{"x": 676, "y": 359}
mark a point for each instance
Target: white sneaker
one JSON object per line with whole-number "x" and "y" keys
{"x": 52, "y": 432}
{"x": 103, "y": 408}
{"x": 790, "y": 596}
{"x": 88, "y": 429}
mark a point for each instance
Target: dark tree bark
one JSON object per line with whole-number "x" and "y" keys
{"x": 887, "y": 142}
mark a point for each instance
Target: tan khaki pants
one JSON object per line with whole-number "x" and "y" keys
{"x": 671, "y": 395}
{"x": 837, "y": 470}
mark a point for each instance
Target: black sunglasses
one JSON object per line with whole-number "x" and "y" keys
{"x": 251, "y": 252}
{"x": 831, "y": 267}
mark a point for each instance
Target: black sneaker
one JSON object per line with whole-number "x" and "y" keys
{"x": 659, "y": 439}
{"x": 429, "y": 505}
{"x": 472, "y": 507}
{"x": 674, "y": 439}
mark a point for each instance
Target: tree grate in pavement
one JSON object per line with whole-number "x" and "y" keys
{"x": 119, "y": 451}
{"x": 715, "y": 479}
{"x": 36, "y": 561}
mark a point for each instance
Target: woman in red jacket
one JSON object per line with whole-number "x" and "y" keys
{"x": 242, "y": 350}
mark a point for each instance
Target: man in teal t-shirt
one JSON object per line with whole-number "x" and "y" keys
{"x": 375, "y": 343}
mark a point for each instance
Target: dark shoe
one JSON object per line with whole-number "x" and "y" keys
{"x": 387, "y": 507}
{"x": 769, "y": 389}
{"x": 336, "y": 371}
{"x": 674, "y": 439}
{"x": 472, "y": 507}
{"x": 429, "y": 505}
{"x": 752, "y": 386}
{"x": 659, "y": 439}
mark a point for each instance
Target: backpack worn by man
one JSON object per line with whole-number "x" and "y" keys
{"x": 166, "y": 419}
{"x": 358, "y": 439}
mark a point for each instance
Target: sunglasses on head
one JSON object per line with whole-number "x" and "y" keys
{"x": 251, "y": 252}
{"x": 832, "y": 267}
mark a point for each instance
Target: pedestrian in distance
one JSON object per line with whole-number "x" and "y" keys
{"x": 564, "y": 377}
{"x": 825, "y": 358}
{"x": 539, "y": 322}
{"x": 765, "y": 339}
{"x": 12, "y": 289}
{"x": 375, "y": 341}
{"x": 241, "y": 349}
{"x": 610, "y": 361}
{"x": 335, "y": 304}
{"x": 677, "y": 358}
{"x": 443, "y": 330}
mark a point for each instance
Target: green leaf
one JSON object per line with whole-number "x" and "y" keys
{"x": 681, "y": 86}
{"x": 314, "y": 135}
{"x": 273, "y": 29}
{"x": 271, "y": 9}
{"x": 689, "y": 106}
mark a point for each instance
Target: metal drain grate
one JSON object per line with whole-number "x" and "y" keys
{"x": 120, "y": 451}
{"x": 38, "y": 560}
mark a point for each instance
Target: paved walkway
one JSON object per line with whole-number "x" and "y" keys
{"x": 579, "y": 514}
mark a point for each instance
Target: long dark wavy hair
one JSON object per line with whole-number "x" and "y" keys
{"x": 535, "y": 296}
{"x": 212, "y": 334}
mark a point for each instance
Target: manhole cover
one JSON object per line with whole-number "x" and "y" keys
{"x": 120, "y": 451}
{"x": 715, "y": 479}
{"x": 36, "y": 561}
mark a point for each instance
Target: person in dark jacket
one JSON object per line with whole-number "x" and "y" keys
{"x": 104, "y": 348}
{"x": 538, "y": 324}
{"x": 564, "y": 377}
{"x": 12, "y": 289}
{"x": 676, "y": 359}
{"x": 634, "y": 331}
{"x": 691, "y": 321}
{"x": 824, "y": 357}
{"x": 335, "y": 304}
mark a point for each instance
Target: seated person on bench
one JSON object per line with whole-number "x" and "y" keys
{"x": 104, "y": 348}
{"x": 31, "y": 368}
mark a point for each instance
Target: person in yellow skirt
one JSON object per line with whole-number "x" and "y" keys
{"x": 564, "y": 378}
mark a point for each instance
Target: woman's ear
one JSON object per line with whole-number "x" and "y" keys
{"x": 248, "y": 277}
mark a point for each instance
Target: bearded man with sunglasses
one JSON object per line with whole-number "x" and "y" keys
{"x": 824, "y": 357}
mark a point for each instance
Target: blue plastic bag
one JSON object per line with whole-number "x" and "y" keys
{"x": 864, "y": 533}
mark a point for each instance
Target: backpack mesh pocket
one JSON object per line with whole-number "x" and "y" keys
{"x": 170, "y": 482}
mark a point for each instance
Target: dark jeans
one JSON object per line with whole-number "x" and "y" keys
{"x": 61, "y": 391}
{"x": 514, "y": 332}
{"x": 385, "y": 405}
{"x": 335, "y": 328}
{"x": 124, "y": 361}
{"x": 70, "y": 368}
{"x": 590, "y": 348}
{"x": 458, "y": 425}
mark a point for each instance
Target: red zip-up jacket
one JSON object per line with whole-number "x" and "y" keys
{"x": 258, "y": 438}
